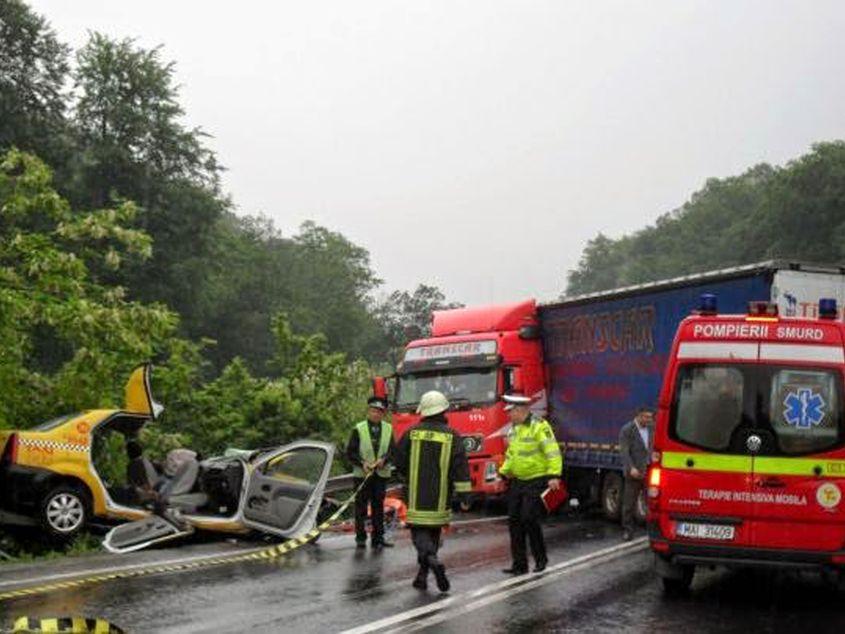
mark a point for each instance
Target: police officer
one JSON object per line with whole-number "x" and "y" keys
{"x": 431, "y": 457}
{"x": 369, "y": 449}
{"x": 532, "y": 463}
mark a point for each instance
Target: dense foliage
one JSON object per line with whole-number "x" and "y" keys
{"x": 117, "y": 245}
{"x": 796, "y": 211}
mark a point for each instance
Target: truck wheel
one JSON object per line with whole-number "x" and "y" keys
{"x": 611, "y": 496}
{"x": 64, "y": 512}
{"x": 677, "y": 586}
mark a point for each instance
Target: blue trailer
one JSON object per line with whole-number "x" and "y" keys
{"x": 604, "y": 355}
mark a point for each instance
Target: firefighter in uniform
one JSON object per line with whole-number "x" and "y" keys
{"x": 431, "y": 457}
{"x": 532, "y": 463}
{"x": 369, "y": 450}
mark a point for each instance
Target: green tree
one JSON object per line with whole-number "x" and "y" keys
{"x": 33, "y": 69}
{"x": 49, "y": 297}
{"x": 133, "y": 145}
{"x": 795, "y": 211}
{"x": 404, "y": 316}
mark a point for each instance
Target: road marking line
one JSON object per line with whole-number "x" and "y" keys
{"x": 127, "y": 567}
{"x": 495, "y": 591}
{"x": 479, "y": 520}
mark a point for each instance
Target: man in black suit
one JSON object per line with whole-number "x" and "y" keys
{"x": 636, "y": 439}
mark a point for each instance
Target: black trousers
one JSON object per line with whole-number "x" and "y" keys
{"x": 373, "y": 495}
{"x": 525, "y": 511}
{"x": 427, "y": 542}
{"x": 630, "y": 494}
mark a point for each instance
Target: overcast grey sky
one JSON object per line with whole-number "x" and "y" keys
{"x": 479, "y": 145}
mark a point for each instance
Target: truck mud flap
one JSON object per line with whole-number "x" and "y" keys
{"x": 143, "y": 533}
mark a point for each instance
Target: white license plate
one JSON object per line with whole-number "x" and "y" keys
{"x": 705, "y": 531}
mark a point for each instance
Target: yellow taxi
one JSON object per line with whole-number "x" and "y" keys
{"x": 86, "y": 466}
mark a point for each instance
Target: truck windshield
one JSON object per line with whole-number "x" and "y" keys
{"x": 462, "y": 386}
{"x": 795, "y": 410}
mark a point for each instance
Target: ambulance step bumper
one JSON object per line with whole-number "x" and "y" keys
{"x": 699, "y": 554}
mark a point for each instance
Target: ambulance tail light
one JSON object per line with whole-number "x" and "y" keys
{"x": 827, "y": 308}
{"x": 837, "y": 559}
{"x": 10, "y": 452}
{"x": 654, "y": 483}
{"x": 708, "y": 304}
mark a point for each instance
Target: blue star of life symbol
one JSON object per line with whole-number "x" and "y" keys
{"x": 804, "y": 408}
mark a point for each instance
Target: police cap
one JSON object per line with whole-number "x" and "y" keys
{"x": 377, "y": 402}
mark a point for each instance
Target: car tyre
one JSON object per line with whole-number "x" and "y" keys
{"x": 611, "y": 496}
{"x": 64, "y": 513}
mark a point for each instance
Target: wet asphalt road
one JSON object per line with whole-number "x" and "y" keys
{"x": 331, "y": 587}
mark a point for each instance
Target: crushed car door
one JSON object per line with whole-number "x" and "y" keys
{"x": 285, "y": 488}
{"x": 126, "y": 538}
{"x": 138, "y": 395}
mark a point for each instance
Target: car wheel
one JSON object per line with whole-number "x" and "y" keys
{"x": 611, "y": 496}
{"x": 677, "y": 586}
{"x": 64, "y": 512}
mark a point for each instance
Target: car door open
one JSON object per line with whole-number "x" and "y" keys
{"x": 286, "y": 487}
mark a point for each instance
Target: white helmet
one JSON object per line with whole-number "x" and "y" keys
{"x": 432, "y": 403}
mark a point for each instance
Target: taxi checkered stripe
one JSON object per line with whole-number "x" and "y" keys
{"x": 265, "y": 554}
{"x": 52, "y": 444}
{"x": 64, "y": 625}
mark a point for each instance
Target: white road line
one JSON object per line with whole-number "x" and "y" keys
{"x": 441, "y": 610}
{"x": 479, "y": 520}
{"x": 30, "y": 581}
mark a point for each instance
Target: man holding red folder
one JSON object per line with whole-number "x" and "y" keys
{"x": 532, "y": 464}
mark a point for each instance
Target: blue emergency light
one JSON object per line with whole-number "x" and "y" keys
{"x": 707, "y": 304}
{"x": 827, "y": 308}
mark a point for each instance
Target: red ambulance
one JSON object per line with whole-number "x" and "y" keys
{"x": 749, "y": 449}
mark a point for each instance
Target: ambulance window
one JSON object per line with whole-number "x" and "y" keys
{"x": 708, "y": 405}
{"x": 805, "y": 409}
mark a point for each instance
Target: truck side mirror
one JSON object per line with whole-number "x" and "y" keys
{"x": 517, "y": 383}
{"x": 380, "y": 387}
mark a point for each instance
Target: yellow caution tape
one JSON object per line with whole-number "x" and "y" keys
{"x": 64, "y": 625}
{"x": 272, "y": 552}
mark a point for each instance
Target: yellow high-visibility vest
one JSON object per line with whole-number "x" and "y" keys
{"x": 367, "y": 451}
{"x": 532, "y": 451}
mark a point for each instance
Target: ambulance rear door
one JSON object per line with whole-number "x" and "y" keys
{"x": 799, "y": 467}
{"x": 706, "y": 466}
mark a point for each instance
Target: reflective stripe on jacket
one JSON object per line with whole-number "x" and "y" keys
{"x": 366, "y": 448}
{"x": 532, "y": 451}
{"x": 431, "y": 456}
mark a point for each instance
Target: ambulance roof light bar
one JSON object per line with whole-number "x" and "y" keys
{"x": 708, "y": 304}
{"x": 827, "y": 308}
{"x": 762, "y": 309}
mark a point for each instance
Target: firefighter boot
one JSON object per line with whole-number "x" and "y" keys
{"x": 439, "y": 571}
{"x": 421, "y": 580}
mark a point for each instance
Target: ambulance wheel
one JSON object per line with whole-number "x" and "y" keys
{"x": 677, "y": 586}
{"x": 64, "y": 513}
{"x": 611, "y": 496}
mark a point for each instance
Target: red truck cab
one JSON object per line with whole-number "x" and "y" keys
{"x": 473, "y": 356}
{"x": 749, "y": 448}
